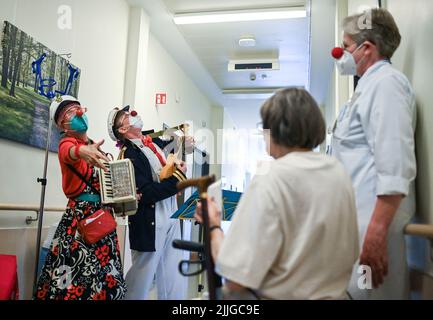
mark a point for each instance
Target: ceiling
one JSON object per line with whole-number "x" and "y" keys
{"x": 188, "y": 6}
{"x": 217, "y": 43}
{"x": 204, "y": 50}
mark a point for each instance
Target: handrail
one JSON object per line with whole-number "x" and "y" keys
{"x": 29, "y": 207}
{"x": 422, "y": 230}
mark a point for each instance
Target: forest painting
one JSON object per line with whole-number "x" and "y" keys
{"x": 31, "y": 74}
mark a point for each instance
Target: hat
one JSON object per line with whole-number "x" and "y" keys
{"x": 112, "y": 132}
{"x": 58, "y": 104}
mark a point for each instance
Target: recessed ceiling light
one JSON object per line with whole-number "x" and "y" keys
{"x": 240, "y": 15}
{"x": 247, "y": 42}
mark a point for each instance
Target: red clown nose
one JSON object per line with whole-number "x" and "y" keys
{"x": 133, "y": 113}
{"x": 80, "y": 113}
{"x": 337, "y": 52}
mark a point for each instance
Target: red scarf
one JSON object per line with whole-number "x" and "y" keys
{"x": 147, "y": 141}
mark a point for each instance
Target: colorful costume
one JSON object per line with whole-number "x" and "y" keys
{"x": 74, "y": 269}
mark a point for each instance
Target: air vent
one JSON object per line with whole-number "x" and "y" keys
{"x": 250, "y": 65}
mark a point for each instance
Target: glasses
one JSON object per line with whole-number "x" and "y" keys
{"x": 71, "y": 111}
{"x": 346, "y": 46}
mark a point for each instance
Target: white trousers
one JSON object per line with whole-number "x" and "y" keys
{"x": 161, "y": 265}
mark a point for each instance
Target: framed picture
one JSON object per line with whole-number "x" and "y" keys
{"x": 30, "y": 76}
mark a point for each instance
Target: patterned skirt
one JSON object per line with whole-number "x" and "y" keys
{"x": 75, "y": 270}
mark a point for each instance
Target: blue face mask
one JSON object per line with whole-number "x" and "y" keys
{"x": 79, "y": 124}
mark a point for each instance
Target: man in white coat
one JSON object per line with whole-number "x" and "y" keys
{"x": 373, "y": 137}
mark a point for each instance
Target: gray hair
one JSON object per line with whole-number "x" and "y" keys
{"x": 377, "y": 26}
{"x": 294, "y": 119}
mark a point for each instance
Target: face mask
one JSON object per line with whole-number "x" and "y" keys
{"x": 346, "y": 64}
{"x": 136, "y": 122}
{"x": 79, "y": 124}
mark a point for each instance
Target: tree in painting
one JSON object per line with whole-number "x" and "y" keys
{"x": 24, "y": 111}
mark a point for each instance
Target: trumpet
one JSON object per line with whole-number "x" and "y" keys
{"x": 173, "y": 158}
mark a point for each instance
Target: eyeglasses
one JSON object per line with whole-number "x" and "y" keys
{"x": 71, "y": 111}
{"x": 346, "y": 46}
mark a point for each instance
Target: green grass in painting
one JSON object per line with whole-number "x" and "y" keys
{"x": 16, "y": 113}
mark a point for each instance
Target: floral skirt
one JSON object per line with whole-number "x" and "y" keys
{"x": 74, "y": 270}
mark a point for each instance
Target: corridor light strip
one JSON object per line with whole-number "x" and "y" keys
{"x": 235, "y": 16}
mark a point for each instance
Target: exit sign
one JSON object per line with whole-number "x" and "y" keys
{"x": 161, "y": 98}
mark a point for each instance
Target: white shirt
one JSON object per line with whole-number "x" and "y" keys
{"x": 294, "y": 234}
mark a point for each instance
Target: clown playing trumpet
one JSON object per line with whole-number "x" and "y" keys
{"x": 151, "y": 231}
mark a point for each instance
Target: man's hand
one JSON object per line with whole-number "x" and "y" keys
{"x": 92, "y": 155}
{"x": 374, "y": 253}
{"x": 181, "y": 165}
{"x": 374, "y": 250}
{"x": 213, "y": 213}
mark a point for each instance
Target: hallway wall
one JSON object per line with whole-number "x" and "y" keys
{"x": 415, "y": 20}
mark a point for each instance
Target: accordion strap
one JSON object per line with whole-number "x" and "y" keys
{"x": 82, "y": 178}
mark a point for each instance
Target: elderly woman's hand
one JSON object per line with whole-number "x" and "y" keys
{"x": 92, "y": 155}
{"x": 213, "y": 212}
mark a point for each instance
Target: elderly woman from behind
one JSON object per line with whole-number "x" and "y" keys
{"x": 294, "y": 233}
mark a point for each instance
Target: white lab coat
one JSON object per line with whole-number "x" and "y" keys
{"x": 373, "y": 137}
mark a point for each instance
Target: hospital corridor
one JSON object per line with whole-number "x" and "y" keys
{"x": 200, "y": 150}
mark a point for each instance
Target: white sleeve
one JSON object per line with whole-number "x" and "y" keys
{"x": 390, "y": 134}
{"x": 253, "y": 240}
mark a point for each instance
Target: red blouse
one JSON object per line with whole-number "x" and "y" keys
{"x": 72, "y": 184}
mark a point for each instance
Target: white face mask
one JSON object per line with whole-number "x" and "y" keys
{"x": 136, "y": 122}
{"x": 346, "y": 65}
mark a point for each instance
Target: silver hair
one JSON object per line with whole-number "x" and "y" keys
{"x": 377, "y": 26}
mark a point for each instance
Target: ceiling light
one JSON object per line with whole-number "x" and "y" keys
{"x": 250, "y": 93}
{"x": 240, "y": 15}
{"x": 247, "y": 42}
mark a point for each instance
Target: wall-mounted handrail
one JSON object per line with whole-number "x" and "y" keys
{"x": 421, "y": 230}
{"x": 29, "y": 207}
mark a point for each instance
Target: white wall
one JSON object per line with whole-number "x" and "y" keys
{"x": 414, "y": 58}
{"x": 97, "y": 42}
{"x": 321, "y": 43}
{"x": 164, "y": 75}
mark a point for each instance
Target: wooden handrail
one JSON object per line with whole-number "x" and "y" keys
{"x": 421, "y": 230}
